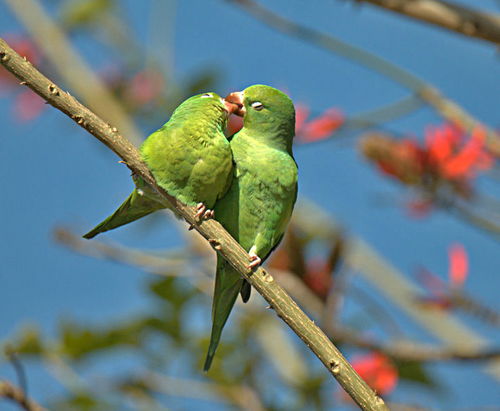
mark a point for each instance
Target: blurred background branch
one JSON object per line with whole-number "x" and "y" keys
{"x": 447, "y": 15}
{"x": 8, "y": 391}
{"x": 70, "y": 66}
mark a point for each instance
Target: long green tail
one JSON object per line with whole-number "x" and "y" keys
{"x": 133, "y": 208}
{"x": 228, "y": 283}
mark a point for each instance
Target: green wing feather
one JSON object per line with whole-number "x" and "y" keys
{"x": 189, "y": 157}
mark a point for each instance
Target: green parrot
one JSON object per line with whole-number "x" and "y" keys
{"x": 259, "y": 203}
{"x": 189, "y": 157}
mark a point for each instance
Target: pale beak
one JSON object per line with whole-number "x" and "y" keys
{"x": 234, "y": 103}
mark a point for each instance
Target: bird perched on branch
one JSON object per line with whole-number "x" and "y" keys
{"x": 260, "y": 200}
{"x": 189, "y": 157}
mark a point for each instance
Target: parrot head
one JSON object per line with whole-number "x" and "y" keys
{"x": 265, "y": 108}
{"x": 208, "y": 103}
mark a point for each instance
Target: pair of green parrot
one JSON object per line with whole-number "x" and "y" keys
{"x": 248, "y": 182}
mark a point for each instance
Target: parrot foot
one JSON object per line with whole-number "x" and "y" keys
{"x": 209, "y": 214}
{"x": 203, "y": 213}
{"x": 255, "y": 260}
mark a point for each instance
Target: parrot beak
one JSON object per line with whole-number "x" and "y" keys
{"x": 234, "y": 103}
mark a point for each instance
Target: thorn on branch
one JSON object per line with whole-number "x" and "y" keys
{"x": 268, "y": 278}
{"x": 79, "y": 120}
{"x": 335, "y": 367}
{"x": 53, "y": 90}
{"x": 215, "y": 244}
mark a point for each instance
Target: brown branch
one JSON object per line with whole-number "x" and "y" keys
{"x": 211, "y": 230}
{"x": 15, "y": 394}
{"x": 240, "y": 396}
{"x": 448, "y": 109}
{"x": 463, "y": 20}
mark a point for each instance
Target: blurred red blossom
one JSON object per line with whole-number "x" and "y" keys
{"x": 448, "y": 157}
{"x": 27, "y": 105}
{"x": 459, "y": 265}
{"x": 136, "y": 89}
{"x": 318, "y": 273}
{"x": 377, "y": 370}
{"x": 439, "y": 291}
{"x": 144, "y": 87}
{"x": 453, "y": 155}
{"x": 25, "y": 48}
{"x": 319, "y": 128}
{"x": 318, "y": 277}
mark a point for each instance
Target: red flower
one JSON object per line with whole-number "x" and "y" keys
{"x": 448, "y": 158}
{"x": 25, "y": 48}
{"x": 144, "y": 87}
{"x": 452, "y": 156}
{"x": 439, "y": 290}
{"x": 458, "y": 265}
{"x": 318, "y": 277}
{"x": 402, "y": 159}
{"x": 28, "y": 105}
{"x": 377, "y": 370}
{"x": 319, "y": 128}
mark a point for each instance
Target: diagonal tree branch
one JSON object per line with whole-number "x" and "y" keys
{"x": 16, "y": 395}
{"x": 447, "y": 108}
{"x": 463, "y": 20}
{"x": 211, "y": 230}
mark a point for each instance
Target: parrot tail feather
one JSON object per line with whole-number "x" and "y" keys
{"x": 228, "y": 283}
{"x": 134, "y": 207}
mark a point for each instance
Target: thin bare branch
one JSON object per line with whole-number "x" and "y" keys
{"x": 16, "y": 395}
{"x": 172, "y": 262}
{"x": 450, "y": 16}
{"x": 211, "y": 230}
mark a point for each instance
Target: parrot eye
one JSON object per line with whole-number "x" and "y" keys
{"x": 206, "y": 95}
{"x": 257, "y": 105}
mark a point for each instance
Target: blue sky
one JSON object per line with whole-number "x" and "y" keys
{"x": 55, "y": 174}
